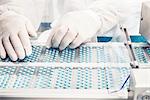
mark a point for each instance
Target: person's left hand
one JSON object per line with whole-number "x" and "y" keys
{"x": 73, "y": 29}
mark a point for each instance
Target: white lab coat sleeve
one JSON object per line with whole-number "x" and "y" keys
{"x": 110, "y": 12}
{"x": 31, "y": 9}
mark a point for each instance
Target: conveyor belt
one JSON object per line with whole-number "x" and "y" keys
{"x": 63, "y": 78}
{"x": 92, "y": 67}
{"x": 93, "y": 53}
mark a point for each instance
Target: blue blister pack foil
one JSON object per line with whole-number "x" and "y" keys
{"x": 142, "y": 53}
{"x": 36, "y": 52}
{"x": 90, "y": 53}
{"x": 44, "y": 77}
{"x": 63, "y": 77}
{"x": 93, "y": 67}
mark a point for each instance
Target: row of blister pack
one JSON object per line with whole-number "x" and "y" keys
{"x": 141, "y": 53}
{"x": 63, "y": 77}
{"x": 90, "y": 53}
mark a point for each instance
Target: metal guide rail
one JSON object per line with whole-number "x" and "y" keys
{"x": 140, "y": 52}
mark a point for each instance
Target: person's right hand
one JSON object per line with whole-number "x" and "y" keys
{"x": 15, "y": 30}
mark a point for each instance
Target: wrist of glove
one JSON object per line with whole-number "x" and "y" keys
{"x": 73, "y": 29}
{"x": 15, "y": 30}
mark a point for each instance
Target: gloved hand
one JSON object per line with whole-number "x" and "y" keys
{"x": 15, "y": 30}
{"x": 73, "y": 29}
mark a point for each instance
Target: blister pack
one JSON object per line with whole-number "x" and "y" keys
{"x": 142, "y": 53}
{"x": 94, "y": 70}
{"x": 89, "y": 53}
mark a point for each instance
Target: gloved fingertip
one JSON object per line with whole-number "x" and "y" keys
{"x": 71, "y": 46}
{"x": 55, "y": 45}
{"x": 22, "y": 57}
{"x": 29, "y": 53}
{"x": 34, "y": 34}
{"x": 74, "y": 45}
{"x": 13, "y": 58}
{"x": 48, "y": 45}
{"x": 61, "y": 48}
{"x": 3, "y": 56}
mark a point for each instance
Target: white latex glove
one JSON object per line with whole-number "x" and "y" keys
{"x": 73, "y": 29}
{"x": 15, "y": 30}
